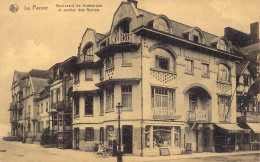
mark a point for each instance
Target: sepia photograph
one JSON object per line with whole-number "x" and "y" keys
{"x": 129, "y": 80}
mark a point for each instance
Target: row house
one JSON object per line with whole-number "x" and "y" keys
{"x": 16, "y": 106}
{"x": 175, "y": 84}
{"x": 34, "y": 81}
{"x": 247, "y": 80}
{"x": 61, "y": 102}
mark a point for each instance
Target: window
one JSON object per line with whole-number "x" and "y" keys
{"x": 162, "y": 25}
{"x": 89, "y": 134}
{"x": 42, "y": 126}
{"x": 76, "y": 106}
{"x": 193, "y": 102}
{"x": 205, "y": 70}
{"x": 247, "y": 80}
{"x": 110, "y": 62}
{"x": 76, "y": 77}
{"x": 47, "y": 106}
{"x": 110, "y": 135}
{"x": 89, "y": 105}
{"x": 162, "y": 97}
{"x": 189, "y": 66}
{"x": 223, "y": 73}
{"x": 110, "y": 98}
{"x": 177, "y": 136}
{"x": 196, "y": 38}
{"x": 89, "y": 74}
{"x": 52, "y": 97}
{"x": 101, "y": 74}
{"x": 162, "y": 62}
{"x": 126, "y": 58}
{"x": 58, "y": 94}
{"x": 38, "y": 109}
{"x": 251, "y": 106}
{"x": 101, "y": 103}
{"x": 222, "y": 45}
{"x": 126, "y": 91}
{"x": 41, "y": 107}
{"x": 223, "y": 106}
{"x": 162, "y": 136}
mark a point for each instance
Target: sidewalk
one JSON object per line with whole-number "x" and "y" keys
{"x": 187, "y": 156}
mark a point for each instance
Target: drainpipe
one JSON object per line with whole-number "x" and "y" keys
{"x": 142, "y": 111}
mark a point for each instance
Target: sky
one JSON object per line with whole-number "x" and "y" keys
{"x": 39, "y": 39}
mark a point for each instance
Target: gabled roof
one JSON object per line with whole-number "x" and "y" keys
{"x": 38, "y": 83}
{"x": 252, "y": 48}
{"x": 39, "y": 73}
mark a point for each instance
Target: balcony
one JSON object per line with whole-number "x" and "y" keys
{"x": 121, "y": 37}
{"x": 164, "y": 113}
{"x": 88, "y": 58}
{"x": 198, "y": 116}
{"x": 13, "y": 105}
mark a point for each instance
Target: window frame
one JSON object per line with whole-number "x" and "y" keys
{"x": 76, "y": 101}
{"x": 102, "y": 102}
{"x": 110, "y": 62}
{"x": 157, "y": 62}
{"x": 170, "y": 97}
{"x": 124, "y": 63}
{"x": 127, "y": 90}
{"x": 208, "y": 71}
{"x": 89, "y": 76}
{"x": 87, "y": 106}
{"x": 226, "y": 70}
{"x": 89, "y": 134}
{"x": 110, "y": 97}
{"x": 191, "y": 70}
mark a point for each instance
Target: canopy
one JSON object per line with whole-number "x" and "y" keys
{"x": 233, "y": 128}
{"x": 254, "y": 126}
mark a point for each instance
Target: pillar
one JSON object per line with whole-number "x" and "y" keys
{"x": 151, "y": 137}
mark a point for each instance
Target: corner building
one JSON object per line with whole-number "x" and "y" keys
{"x": 175, "y": 82}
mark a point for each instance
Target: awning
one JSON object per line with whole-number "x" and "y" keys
{"x": 233, "y": 128}
{"x": 254, "y": 126}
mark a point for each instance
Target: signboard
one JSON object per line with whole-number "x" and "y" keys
{"x": 164, "y": 152}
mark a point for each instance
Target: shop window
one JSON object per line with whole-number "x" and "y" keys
{"x": 223, "y": 73}
{"x": 101, "y": 103}
{"x": 205, "y": 70}
{"x": 162, "y": 62}
{"x": 110, "y": 62}
{"x": 147, "y": 136}
{"x": 126, "y": 92}
{"x": 161, "y": 136}
{"x": 76, "y": 106}
{"x": 110, "y": 135}
{"x": 89, "y": 105}
{"x": 89, "y": 74}
{"x": 189, "y": 66}
{"x": 162, "y": 97}
{"x": 127, "y": 58}
{"x": 110, "y": 98}
{"x": 89, "y": 134}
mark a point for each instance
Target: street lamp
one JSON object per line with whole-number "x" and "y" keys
{"x": 119, "y": 152}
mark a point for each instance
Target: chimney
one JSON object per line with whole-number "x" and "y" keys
{"x": 254, "y": 31}
{"x": 133, "y": 1}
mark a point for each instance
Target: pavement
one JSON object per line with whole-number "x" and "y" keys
{"x": 17, "y": 151}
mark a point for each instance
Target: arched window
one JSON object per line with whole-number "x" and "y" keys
{"x": 223, "y": 73}
{"x": 222, "y": 45}
{"x": 164, "y": 60}
{"x": 194, "y": 34}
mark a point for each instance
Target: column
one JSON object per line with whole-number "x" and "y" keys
{"x": 172, "y": 137}
{"x": 151, "y": 137}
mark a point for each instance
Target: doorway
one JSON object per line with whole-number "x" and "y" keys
{"x": 76, "y": 137}
{"x": 127, "y": 138}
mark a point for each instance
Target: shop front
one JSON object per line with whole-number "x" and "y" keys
{"x": 162, "y": 140}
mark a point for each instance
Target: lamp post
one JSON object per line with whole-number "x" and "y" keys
{"x": 119, "y": 152}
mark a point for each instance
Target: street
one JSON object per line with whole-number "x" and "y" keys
{"x": 17, "y": 151}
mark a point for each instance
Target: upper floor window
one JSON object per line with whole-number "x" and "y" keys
{"x": 126, "y": 92}
{"x": 76, "y": 106}
{"x": 76, "y": 77}
{"x": 222, "y": 45}
{"x": 162, "y": 62}
{"x": 89, "y": 74}
{"x": 223, "y": 104}
{"x": 101, "y": 103}
{"x": 58, "y": 94}
{"x": 247, "y": 80}
{"x": 162, "y": 25}
{"x": 205, "y": 70}
{"x": 223, "y": 73}
{"x": 88, "y": 53}
{"x": 47, "y": 106}
{"x": 126, "y": 58}
{"x": 193, "y": 102}
{"x": 189, "y": 66}
{"x": 41, "y": 107}
{"x": 162, "y": 97}
{"x": 110, "y": 98}
{"x": 89, "y": 105}
{"x": 110, "y": 62}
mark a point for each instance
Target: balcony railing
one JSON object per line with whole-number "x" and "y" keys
{"x": 58, "y": 105}
{"x": 88, "y": 58}
{"x": 120, "y": 37}
{"x": 198, "y": 115}
{"x": 164, "y": 113}
{"x": 223, "y": 117}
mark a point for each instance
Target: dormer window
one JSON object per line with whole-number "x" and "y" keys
{"x": 161, "y": 23}
{"x": 194, "y": 34}
{"x": 222, "y": 45}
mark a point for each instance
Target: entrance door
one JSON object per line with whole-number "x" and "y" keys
{"x": 127, "y": 138}
{"x": 76, "y": 137}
